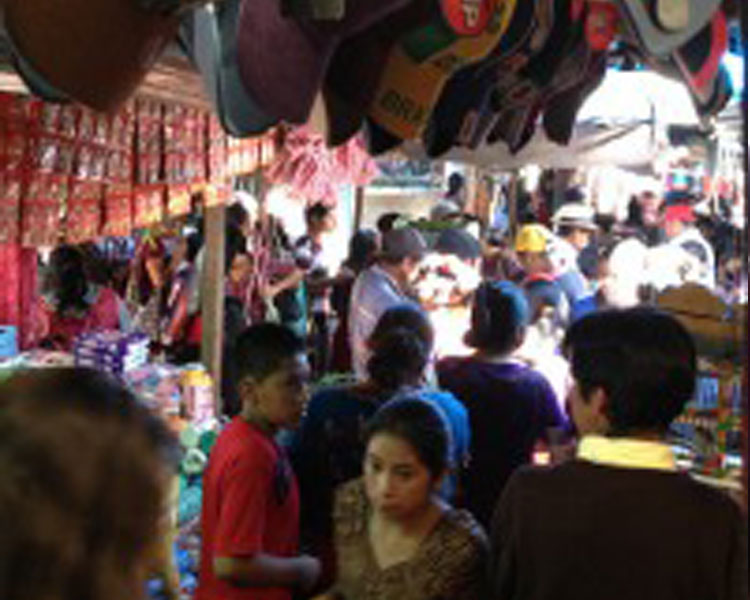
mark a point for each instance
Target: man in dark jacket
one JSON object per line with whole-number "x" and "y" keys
{"x": 620, "y": 522}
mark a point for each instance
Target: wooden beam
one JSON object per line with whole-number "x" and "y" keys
{"x": 512, "y": 201}
{"x": 212, "y": 296}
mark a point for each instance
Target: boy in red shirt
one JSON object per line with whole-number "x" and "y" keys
{"x": 250, "y": 516}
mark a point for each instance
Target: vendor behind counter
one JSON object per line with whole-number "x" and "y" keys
{"x": 71, "y": 305}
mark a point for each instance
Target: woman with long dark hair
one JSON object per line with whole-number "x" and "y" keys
{"x": 395, "y": 536}
{"x": 72, "y": 305}
{"x": 328, "y": 447}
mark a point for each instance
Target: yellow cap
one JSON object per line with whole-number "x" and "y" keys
{"x": 533, "y": 238}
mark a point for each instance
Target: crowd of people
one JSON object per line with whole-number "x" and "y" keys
{"x": 501, "y": 432}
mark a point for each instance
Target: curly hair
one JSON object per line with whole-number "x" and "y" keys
{"x": 83, "y": 473}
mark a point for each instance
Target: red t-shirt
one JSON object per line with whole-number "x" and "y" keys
{"x": 250, "y": 505}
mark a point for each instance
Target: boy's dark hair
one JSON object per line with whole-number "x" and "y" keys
{"x": 261, "y": 349}
{"x": 643, "y": 359}
{"x": 500, "y": 311}
{"x": 317, "y": 212}
{"x": 417, "y": 423}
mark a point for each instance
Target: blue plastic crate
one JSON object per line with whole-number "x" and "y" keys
{"x": 8, "y": 341}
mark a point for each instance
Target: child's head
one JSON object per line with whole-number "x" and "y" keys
{"x": 634, "y": 371}
{"x": 84, "y": 471}
{"x": 406, "y": 456}
{"x": 273, "y": 374}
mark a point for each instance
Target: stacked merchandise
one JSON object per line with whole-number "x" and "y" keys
{"x": 185, "y": 155}
{"x": 184, "y": 397}
{"x": 712, "y": 427}
{"x": 111, "y": 351}
{"x": 12, "y": 151}
{"x": 148, "y": 194}
{"x": 118, "y": 210}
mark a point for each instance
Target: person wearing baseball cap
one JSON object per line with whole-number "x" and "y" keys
{"x": 574, "y": 226}
{"x": 534, "y": 246}
{"x": 681, "y": 232}
{"x": 382, "y": 286}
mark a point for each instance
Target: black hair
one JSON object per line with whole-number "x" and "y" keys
{"x": 237, "y": 215}
{"x": 194, "y": 244}
{"x": 67, "y": 279}
{"x": 456, "y": 183}
{"x": 566, "y": 230}
{"x": 408, "y": 316}
{"x": 94, "y": 263}
{"x": 387, "y": 221}
{"x": 398, "y": 358}
{"x": 362, "y": 248}
{"x": 643, "y": 359}
{"x": 317, "y": 212}
{"x": 417, "y": 423}
{"x": 235, "y": 243}
{"x": 261, "y": 349}
{"x": 499, "y": 313}
{"x": 574, "y": 195}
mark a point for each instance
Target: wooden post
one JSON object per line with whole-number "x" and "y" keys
{"x": 513, "y": 207}
{"x": 212, "y": 296}
{"x": 745, "y": 241}
{"x": 359, "y": 206}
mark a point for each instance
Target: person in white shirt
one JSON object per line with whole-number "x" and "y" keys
{"x": 382, "y": 286}
{"x": 574, "y": 225}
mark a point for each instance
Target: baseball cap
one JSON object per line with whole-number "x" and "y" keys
{"x": 670, "y": 24}
{"x": 533, "y": 238}
{"x": 700, "y": 58}
{"x": 283, "y": 61}
{"x": 679, "y": 212}
{"x": 94, "y": 52}
{"x": 209, "y": 36}
{"x": 499, "y": 307}
{"x": 351, "y": 82}
{"x": 420, "y": 64}
{"x": 465, "y": 100}
{"x": 402, "y": 243}
{"x": 575, "y": 214}
{"x": 458, "y": 242}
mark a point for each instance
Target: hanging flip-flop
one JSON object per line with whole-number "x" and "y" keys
{"x": 699, "y": 59}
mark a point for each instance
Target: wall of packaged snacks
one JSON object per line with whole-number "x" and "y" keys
{"x": 69, "y": 174}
